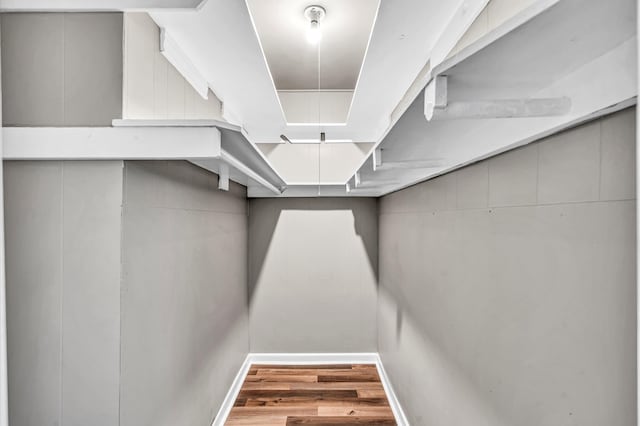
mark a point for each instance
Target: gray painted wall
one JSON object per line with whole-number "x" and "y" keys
{"x": 156, "y": 341}
{"x": 61, "y": 69}
{"x": 508, "y": 287}
{"x": 312, "y": 275}
{"x": 4, "y": 400}
{"x": 184, "y": 293}
{"x": 62, "y": 222}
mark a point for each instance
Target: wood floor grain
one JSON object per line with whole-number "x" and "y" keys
{"x": 319, "y": 395}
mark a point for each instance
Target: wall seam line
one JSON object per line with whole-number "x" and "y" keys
{"x": 64, "y": 68}
{"x": 600, "y": 161}
{"x": 537, "y": 203}
{"x": 122, "y": 202}
{"x": 61, "y": 399}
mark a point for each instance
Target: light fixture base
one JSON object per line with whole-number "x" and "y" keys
{"x": 315, "y": 13}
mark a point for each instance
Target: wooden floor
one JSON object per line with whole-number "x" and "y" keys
{"x": 319, "y": 395}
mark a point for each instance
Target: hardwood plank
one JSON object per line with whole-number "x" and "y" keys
{"x": 357, "y": 411}
{"x": 371, "y": 393}
{"x": 281, "y": 378}
{"x": 273, "y": 386}
{"x": 274, "y": 411}
{"x": 240, "y": 402}
{"x": 316, "y": 402}
{"x": 300, "y": 394}
{"x": 307, "y": 366}
{"x": 336, "y": 421}
{"x": 307, "y": 371}
{"x": 337, "y": 385}
{"x": 257, "y": 421}
{"x": 338, "y": 377}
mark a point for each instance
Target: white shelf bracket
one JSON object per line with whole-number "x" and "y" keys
{"x": 377, "y": 159}
{"x": 223, "y": 177}
{"x": 435, "y": 96}
{"x": 176, "y": 56}
{"x": 437, "y": 106}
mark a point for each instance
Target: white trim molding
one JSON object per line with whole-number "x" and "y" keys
{"x": 232, "y": 394}
{"x": 314, "y": 358}
{"x": 110, "y": 143}
{"x": 201, "y": 145}
{"x": 309, "y": 359}
{"x": 97, "y": 5}
{"x": 398, "y": 413}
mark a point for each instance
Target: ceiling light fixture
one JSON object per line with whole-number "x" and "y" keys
{"x": 314, "y": 14}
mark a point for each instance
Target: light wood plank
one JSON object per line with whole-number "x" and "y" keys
{"x": 371, "y": 393}
{"x": 257, "y": 421}
{"x": 338, "y": 385}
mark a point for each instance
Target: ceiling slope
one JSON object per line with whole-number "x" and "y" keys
{"x": 222, "y": 44}
{"x": 583, "y": 50}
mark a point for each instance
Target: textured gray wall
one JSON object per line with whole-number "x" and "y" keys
{"x": 508, "y": 287}
{"x": 184, "y": 293}
{"x": 312, "y": 275}
{"x": 61, "y": 69}
{"x": 62, "y": 222}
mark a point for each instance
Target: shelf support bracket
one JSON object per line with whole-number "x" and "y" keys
{"x": 438, "y": 107}
{"x": 377, "y": 159}
{"x": 223, "y": 179}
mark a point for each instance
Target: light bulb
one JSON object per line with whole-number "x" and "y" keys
{"x": 313, "y": 33}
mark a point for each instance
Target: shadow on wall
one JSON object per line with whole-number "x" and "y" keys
{"x": 184, "y": 318}
{"x": 515, "y": 336}
{"x": 515, "y": 304}
{"x": 313, "y": 235}
{"x": 313, "y": 275}
{"x": 437, "y": 382}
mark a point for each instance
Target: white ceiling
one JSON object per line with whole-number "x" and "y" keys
{"x": 282, "y": 26}
{"x": 222, "y": 44}
{"x": 584, "y": 50}
{"x": 581, "y": 49}
{"x": 592, "y": 61}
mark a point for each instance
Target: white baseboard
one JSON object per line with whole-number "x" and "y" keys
{"x": 319, "y": 358}
{"x": 308, "y": 358}
{"x": 234, "y": 390}
{"x": 401, "y": 419}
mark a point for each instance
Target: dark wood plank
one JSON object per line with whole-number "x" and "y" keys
{"x": 240, "y": 402}
{"x": 281, "y": 378}
{"x": 317, "y": 402}
{"x": 338, "y": 377}
{"x": 353, "y": 410}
